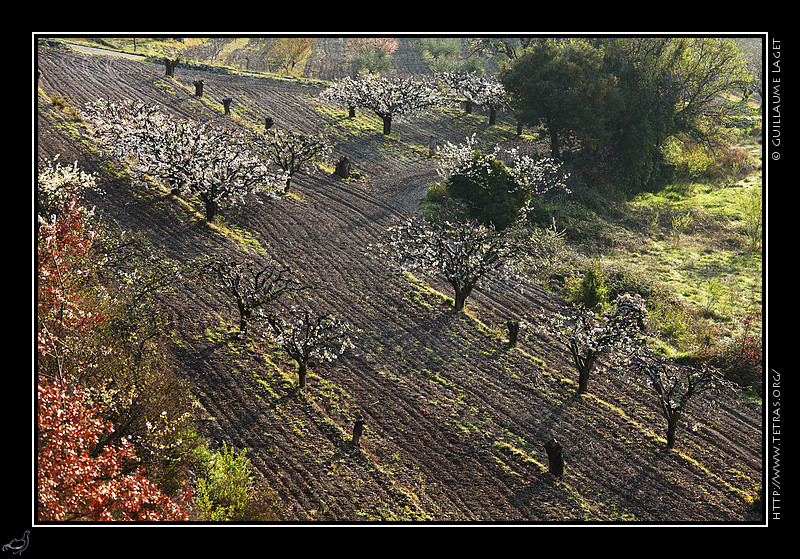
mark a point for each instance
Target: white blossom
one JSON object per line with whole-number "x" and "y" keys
{"x": 215, "y": 162}
{"x": 462, "y": 252}
{"x": 386, "y": 97}
{"x": 305, "y": 335}
{"x": 57, "y": 184}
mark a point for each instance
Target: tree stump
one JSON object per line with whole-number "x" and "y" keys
{"x": 198, "y": 88}
{"x": 169, "y": 66}
{"x": 343, "y": 167}
{"x": 358, "y": 430}
{"x": 554, "y": 458}
{"x": 268, "y": 122}
{"x": 513, "y": 332}
{"x": 226, "y": 103}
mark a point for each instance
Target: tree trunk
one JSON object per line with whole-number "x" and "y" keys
{"x": 584, "y": 368}
{"x": 672, "y": 424}
{"x": 583, "y": 381}
{"x": 169, "y": 66}
{"x": 492, "y": 115}
{"x": 244, "y": 314}
{"x": 555, "y": 458}
{"x": 198, "y": 88}
{"x": 301, "y": 374}
{"x": 211, "y": 210}
{"x": 226, "y": 103}
{"x": 468, "y": 107}
{"x": 351, "y": 112}
{"x": 343, "y": 167}
{"x": 387, "y": 125}
{"x": 461, "y": 298}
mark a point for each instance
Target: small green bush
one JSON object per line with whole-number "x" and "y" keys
{"x": 489, "y": 191}
{"x": 589, "y": 290}
{"x": 228, "y": 492}
{"x": 692, "y": 162}
{"x": 437, "y": 193}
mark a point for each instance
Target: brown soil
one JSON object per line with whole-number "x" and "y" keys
{"x": 455, "y": 421}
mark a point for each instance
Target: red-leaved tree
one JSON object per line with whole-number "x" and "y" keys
{"x": 80, "y": 476}
{"x": 62, "y": 244}
{"x": 77, "y": 480}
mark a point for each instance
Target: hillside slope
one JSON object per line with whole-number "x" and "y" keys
{"x": 455, "y": 421}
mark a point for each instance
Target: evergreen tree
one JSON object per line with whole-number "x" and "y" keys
{"x": 562, "y": 86}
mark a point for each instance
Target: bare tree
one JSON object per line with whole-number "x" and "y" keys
{"x": 288, "y": 52}
{"x": 305, "y": 335}
{"x": 254, "y": 286}
{"x": 676, "y": 386}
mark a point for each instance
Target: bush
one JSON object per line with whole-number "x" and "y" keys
{"x": 621, "y": 278}
{"x": 589, "y": 290}
{"x": 732, "y": 164}
{"x": 490, "y": 192}
{"x": 691, "y": 162}
{"x": 741, "y": 360}
{"x": 672, "y": 324}
{"x": 437, "y": 193}
{"x": 228, "y": 491}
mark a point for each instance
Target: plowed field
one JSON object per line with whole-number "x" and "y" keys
{"x": 455, "y": 420}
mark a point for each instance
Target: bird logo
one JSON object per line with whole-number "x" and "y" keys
{"x": 18, "y": 545}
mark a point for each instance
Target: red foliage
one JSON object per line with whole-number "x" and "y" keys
{"x": 748, "y": 346}
{"x": 741, "y": 359}
{"x": 77, "y": 481}
{"x": 61, "y": 242}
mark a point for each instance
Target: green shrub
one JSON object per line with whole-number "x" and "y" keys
{"x": 621, "y": 278}
{"x": 732, "y": 164}
{"x": 751, "y": 206}
{"x": 437, "y": 193}
{"x": 488, "y": 190}
{"x": 692, "y": 162}
{"x": 228, "y": 492}
{"x": 438, "y": 205}
{"x": 589, "y": 290}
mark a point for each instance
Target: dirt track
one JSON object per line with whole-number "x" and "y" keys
{"x": 455, "y": 421}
